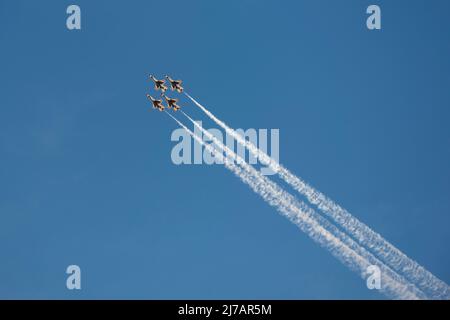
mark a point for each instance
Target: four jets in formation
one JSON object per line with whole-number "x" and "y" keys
{"x": 160, "y": 85}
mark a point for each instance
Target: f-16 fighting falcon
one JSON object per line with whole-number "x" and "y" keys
{"x": 171, "y": 103}
{"x": 157, "y": 104}
{"x": 175, "y": 84}
{"x": 159, "y": 84}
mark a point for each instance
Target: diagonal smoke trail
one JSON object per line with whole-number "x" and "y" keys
{"x": 304, "y": 218}
{"x": 385, "y": 270}
{"x": 425, "y": 280}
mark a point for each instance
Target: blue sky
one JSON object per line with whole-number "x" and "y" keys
{"x": 86, "y": 175}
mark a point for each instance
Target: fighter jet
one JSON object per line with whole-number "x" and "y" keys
{"x": 175, "y": 84}
{"x": 171, "y": 103}
{"x": 159, "y": 84}
{"x": 157, "y": 104}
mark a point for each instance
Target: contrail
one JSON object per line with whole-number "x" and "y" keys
{"x": 425, "y": 280}
{"x": 385, "y": 270}
{"x": 392, "y": 284}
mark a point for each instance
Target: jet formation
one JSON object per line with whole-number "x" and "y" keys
{"x": 171, "y": 103}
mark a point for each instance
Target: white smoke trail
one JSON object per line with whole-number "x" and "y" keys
{"x": 304, "y": 217}
{"x": 385, "y": 270}
{"x": 422, "y": 278}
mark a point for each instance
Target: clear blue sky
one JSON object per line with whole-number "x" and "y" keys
{"x": 86, "y": 176}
